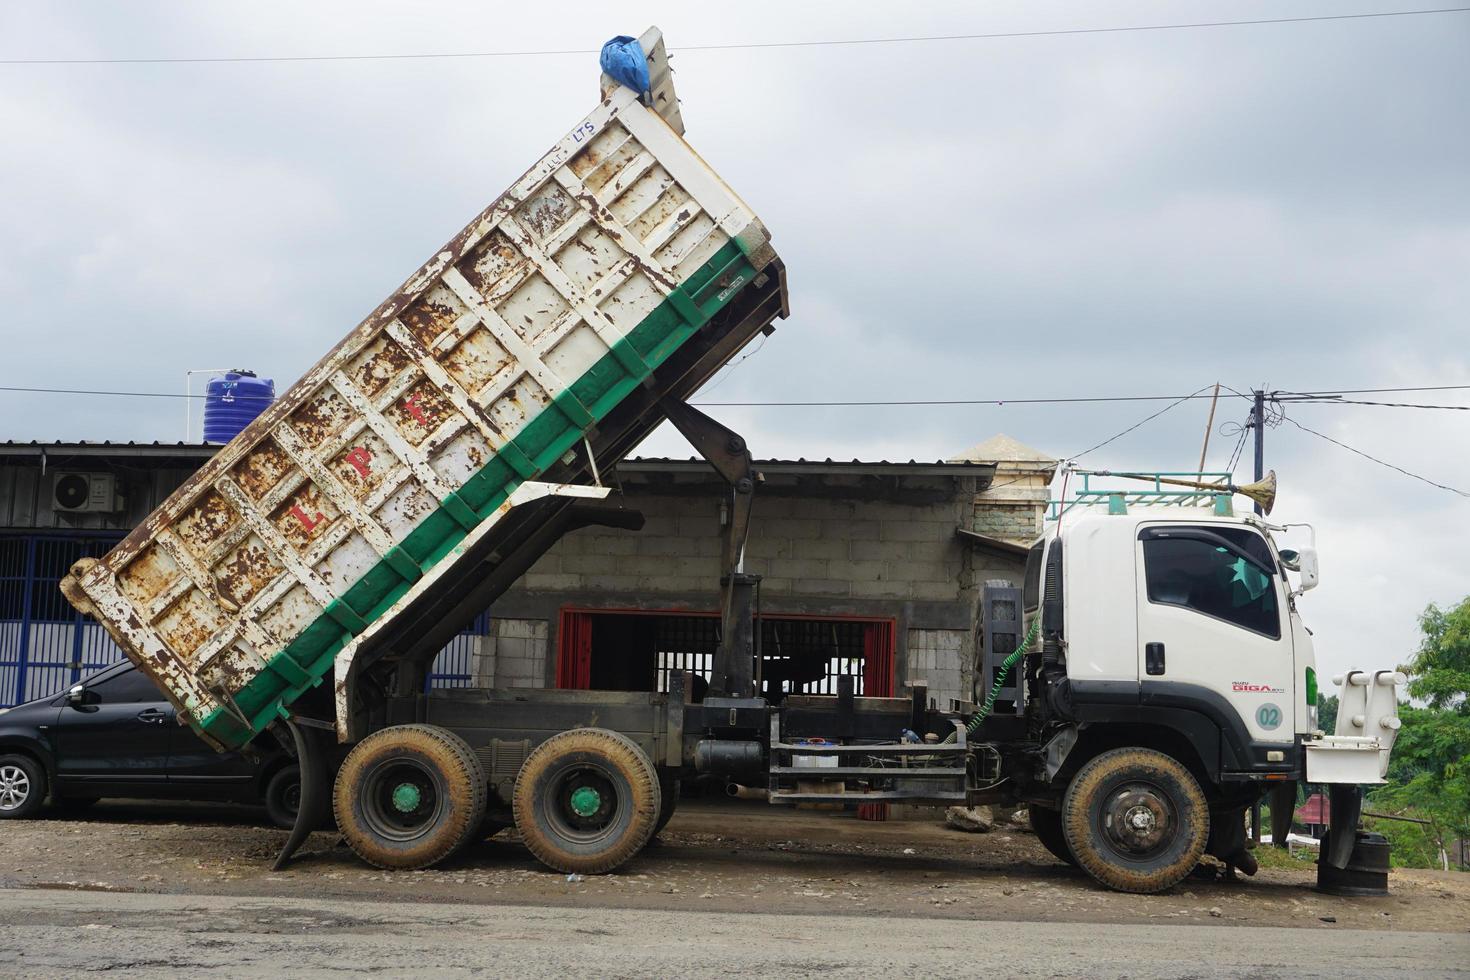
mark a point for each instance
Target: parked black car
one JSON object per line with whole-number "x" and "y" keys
{"x": 115, "y": 735}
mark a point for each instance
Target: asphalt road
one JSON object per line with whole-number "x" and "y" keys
{"x": 66, "y": 933}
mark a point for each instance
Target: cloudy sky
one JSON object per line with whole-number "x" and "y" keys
{"x": 1103, "y": 214}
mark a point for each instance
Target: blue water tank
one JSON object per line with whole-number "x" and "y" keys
{"x": 233, "y": 402}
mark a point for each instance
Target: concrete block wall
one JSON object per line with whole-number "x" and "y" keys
{"x": 801, "y": 546}
{"x": 938, "y": 658}
{"x": 1020, "y": 522}
{"x": 514, "y": 654}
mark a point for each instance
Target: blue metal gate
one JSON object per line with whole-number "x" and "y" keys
{"x": 45, "y": 645}
{"x": 455, "y": 665}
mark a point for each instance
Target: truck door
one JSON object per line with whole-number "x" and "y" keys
{"x": 1210, "y": 624}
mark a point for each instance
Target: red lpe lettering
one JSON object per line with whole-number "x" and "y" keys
{"x": 358, "y": 458}
{"x": 412, "y": 406}
{"x": 308, "y": 521}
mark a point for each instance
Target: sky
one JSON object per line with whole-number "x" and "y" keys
{"x": 1128, "y": 213}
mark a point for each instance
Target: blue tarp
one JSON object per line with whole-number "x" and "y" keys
{"x": 623, "y": 59}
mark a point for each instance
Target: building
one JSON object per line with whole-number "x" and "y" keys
{"x": 870, "y": 569}
{"x": 875, "y": 570}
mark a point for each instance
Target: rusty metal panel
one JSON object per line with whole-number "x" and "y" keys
{"x": 453, "y": 377}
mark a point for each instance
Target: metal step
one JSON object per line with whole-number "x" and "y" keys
{"x": 826, "y": 772}
{"x": 870, "y": 797}
{"x": 894, "y": 748}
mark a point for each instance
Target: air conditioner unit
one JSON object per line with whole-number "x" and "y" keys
{"x": 85, "y": 492}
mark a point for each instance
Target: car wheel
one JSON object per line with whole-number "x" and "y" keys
{"x": 1136, "y": 820}
{"x": 586, "y": 800}
{"x": 22, "y": 787}
{"x": 1046, "y": 824}
{"x": 407, "y": 797}
{"x": 283, "y": 797}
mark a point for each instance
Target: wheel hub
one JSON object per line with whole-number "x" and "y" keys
{"x": 407, "y": 797}
{"x": 15, "y": 786}
{"x": 1139, "y": 820}
{"x": 585, "y": 801}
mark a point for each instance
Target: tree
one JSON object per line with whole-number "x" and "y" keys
{"x": 1440, "y": 671}
{"x": 1430, "y": 770}
{"x": 1327, "y": 712}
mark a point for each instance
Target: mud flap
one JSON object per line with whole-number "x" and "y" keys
{"x": 313, "y": 756}
{"x": 1283, "y": 805}
{"x": 1345, "y": 803}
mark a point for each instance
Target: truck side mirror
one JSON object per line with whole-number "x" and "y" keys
{"x": 1306, "y": 567}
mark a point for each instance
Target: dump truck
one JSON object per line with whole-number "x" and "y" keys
{"x": 300, "y": 584}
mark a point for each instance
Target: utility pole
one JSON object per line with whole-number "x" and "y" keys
{"x": 1258, "y": 421}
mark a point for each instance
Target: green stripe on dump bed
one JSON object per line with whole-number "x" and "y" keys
{"x": 542, "y": 441}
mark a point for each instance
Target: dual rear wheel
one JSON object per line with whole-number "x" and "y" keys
{"x": 585, "y": 800}
{"x": 409, "y": 796}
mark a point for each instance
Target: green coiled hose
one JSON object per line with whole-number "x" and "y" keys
{"x": 1005, "y": 669}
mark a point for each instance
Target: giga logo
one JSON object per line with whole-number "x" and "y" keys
{"x": 1249, "y": 688}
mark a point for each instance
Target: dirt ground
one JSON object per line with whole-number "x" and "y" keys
{"x": 726, "y": 856}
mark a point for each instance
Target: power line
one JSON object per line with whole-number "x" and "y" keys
{"x": 1239, "y": 446}
{"x": 1380, "y": 462}
{"x": 122, "y": 394}
{"x": 755, "y": 45}
{"x": 1139, "y": 423}
{"x": 1350, "y": 401}
{"x": 782, "y": 404}
{"x": 1318, "y": 398}
{"x": 1375, "y": 391}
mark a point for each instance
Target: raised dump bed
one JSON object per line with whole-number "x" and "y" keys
{"x": 354, "y": 498}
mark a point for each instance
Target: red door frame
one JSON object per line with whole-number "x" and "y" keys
{"x": 574, "y": 650}
{"x": 574, "y": 643}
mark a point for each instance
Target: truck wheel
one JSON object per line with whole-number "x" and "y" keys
{"x": 586, "y": 800}
{"x": 1046, "y": 823}
{"x": 22, "y": 787}
{"x": 668, "y": 801}
{"x": 283, "y": 797}
{"x": 1136, "y": 820}
{"x": 408, "y": 796}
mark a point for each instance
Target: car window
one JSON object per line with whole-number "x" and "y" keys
{"x": 1213, "y": 580}
{"x": 127, "y": 687}
{"x": 1248, "y": 541}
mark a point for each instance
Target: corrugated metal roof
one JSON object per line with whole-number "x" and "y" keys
{"x": 910, "y": 467}
{"x": 194, "y": 450}
{"x": 800, "y": 465}
{"x": 829, "y": 461}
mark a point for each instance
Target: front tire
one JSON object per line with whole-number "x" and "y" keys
{"x": 1046, "y": 824}
{"x": 22, "y": 787}
{"x": 586, "y": 800}
{"x": 1136, "y": 820}
{"x": 407, "y": 797}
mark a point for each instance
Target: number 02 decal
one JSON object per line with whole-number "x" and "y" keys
{"x": 1268, "y": 716}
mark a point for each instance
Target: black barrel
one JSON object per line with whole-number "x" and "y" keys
{"x": 1367, "y": 868}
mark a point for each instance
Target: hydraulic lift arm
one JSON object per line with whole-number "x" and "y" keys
{"x": 734, "y": 665}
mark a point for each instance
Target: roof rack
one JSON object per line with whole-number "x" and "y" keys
{"x": 1118, "y": 500}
